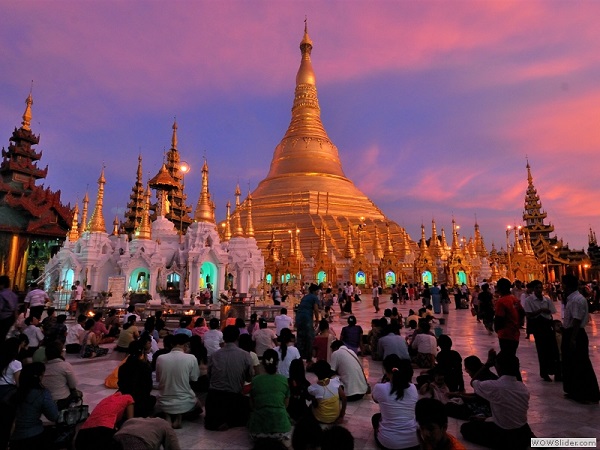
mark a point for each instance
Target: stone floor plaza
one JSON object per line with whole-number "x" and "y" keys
{"x": 550, "y": 415}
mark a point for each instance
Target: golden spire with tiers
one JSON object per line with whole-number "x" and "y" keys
{"x": 377, "y": 250}
{"x": 26, "y": 124}
{"x": 116, "y": 226}
{"x": 455, "y": 243}
{"x": 84, "y": 214}
{"x": 249, "y": 225}
{"x": 204, "y": 210}
{"x": 349, "y": 249}
{"x": 389, "y": 247}
{"x": 97, "y": 224}
{"x": 323, "y": 250}
{"x": 227, "y": 234}
{"x": 74, "y": 232}
{"x": 306, "y": 185}
{"x": 444, "y": 241}
{"x": 144, "y": 231}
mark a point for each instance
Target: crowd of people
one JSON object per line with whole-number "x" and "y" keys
{"x": 240, "y": 374}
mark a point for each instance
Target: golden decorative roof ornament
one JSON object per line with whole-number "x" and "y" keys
{"x": 97, "y": 224}
{"x": 84, "y": 214}
{"x": 74, "y": 232}
{"x": 227, "y": 234}
{"x": 174, "y": 137}
{"x": 26, "y": 124}
{"x": 349, "y": 252}
{"x": 377, "y": 250}
{"x": 389, "y": 246}
{"x": 517, "y": 246}
{"x": 249, "y": 225}
{"x": 144, "y": 231}
{"x": 238, "y": 193}
{"x": 323, "y": 243}
{"x": 423, "y": 243}
{"x": 360, "y": 251}
{"x": 204, "y": 212}
{"x": 116, "y": 226}
{"x": 455, "y": 243}
{"x": 163, "y": 180}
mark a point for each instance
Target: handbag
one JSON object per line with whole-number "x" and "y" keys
{"x": 73, "y": 415}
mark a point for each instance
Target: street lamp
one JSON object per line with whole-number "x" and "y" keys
{"x": 508, "y": 229}
{"x": 184, "y": 168}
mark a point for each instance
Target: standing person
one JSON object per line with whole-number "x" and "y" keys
{"x": 282, "y": 321}
{"x": 579, "y": 380}
{"x": 8, "y": 307}
{"x": 269, "y": 396}
{"x": 307, "y": 309}
{"x": 506, "y": 318}
{"x": 539, "y": 310}
{"x": 436, "y": 298}
{"x": 375, "y": 295}
{"x": 486, "y": 307}
{"x": 426, "y": 295}
{"x": 174, "y": 371}
{"x": 228, "y": 369}
{"x": 445, "y": 299}
{"x": 395, "y": 426}
{"x": 345, "y": 362}
{"x": 36, "y": 300}
{"x": 33, "y": 400}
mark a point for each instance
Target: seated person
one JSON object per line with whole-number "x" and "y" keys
{"x": 183, "y": 327}
{"x": 329, "y": 404}
{"x": 425, "y": 345}
{"x": 509, "y": 401}
{"x": 433, "y": 426}
{"x": 450, "y": 363}
{"x": 434, "y": 386}
{"x": 148, "y": 433}
{"x": 351, "y": 335}
{"x": 74, "y": 335}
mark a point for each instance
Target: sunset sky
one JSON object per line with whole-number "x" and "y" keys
{"x": 433, "y": 105}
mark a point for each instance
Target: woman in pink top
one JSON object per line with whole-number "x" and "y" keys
{"x": 97, "y": 431}
{"x": 199, "y": 327}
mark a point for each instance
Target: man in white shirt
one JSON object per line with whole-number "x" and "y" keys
{"x": 74, "y": 335}
{"x": 36, "y": 300}
{"x": 376, "y": 296}
{"x": 213, "y": 338}
{"x": 283, "y": 321}
{"x": 345, "y": 362}
{"x": 264, "y": 338}
{"x": 539, "y": 310}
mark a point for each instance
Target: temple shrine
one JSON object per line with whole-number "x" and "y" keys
{"x": 33, "y": 221}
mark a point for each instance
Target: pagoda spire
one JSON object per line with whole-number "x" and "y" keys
{"x": 238, "y": 194}
{"x": 26, "y": 124}
{"x": 135, "y": 207}
{"x": 517, "y": 246}
{"x": 479, "y": 244}
{"x": 349, "y": 249}
{"x": 377, "y": 250}
{"x": 227, "y": 235}
{"x": 389, "y": 247}
{"x": 455, "y": 242}
{"x": 360, "y": 251}
{"x": 84, "y": 213}
{"x": 533, "y": 215}
{"x": 592, "y": 238}
{"x": 97, "y": 224}
{"x": 292, "y": 245}
{"x": 204, "y": 212}
{"x": 174, "y": 136}
{"x": 74, "y": 232}
{"x": 423, "y": 243}
{"x": 299, "y": 254}
{"x": 116, "y": 226}
{"x": 323, "y": 250}
{"x": 249, "y": 225}
{"x": 444, "y": 243}
{"x": 144, "y": 231}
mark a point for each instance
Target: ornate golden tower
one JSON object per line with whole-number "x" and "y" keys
{"x": 306, "y": 187}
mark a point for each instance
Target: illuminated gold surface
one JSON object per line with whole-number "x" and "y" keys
{"x": 84, "y": 213}
{"x": 26, "y": 124}
{"x": 74, "y": 232}
{"x": 96, "y": 224}
{"x": 144, "y": 231}
{"x": 204, "y": 210}
{"x": 306, "y": 188}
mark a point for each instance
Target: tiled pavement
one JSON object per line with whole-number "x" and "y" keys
{"x": 550, "y": 415}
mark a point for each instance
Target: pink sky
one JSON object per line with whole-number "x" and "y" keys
{"x": 433, "y": 106}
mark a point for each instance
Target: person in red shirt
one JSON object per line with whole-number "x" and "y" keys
{"x": 508, "y": 311}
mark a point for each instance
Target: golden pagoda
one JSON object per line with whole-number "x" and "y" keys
{"x": 306, "y": 190}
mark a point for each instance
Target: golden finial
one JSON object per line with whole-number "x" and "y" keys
{"x": 249, "y": 224}
{"x": 377, "y": 250}
{"x": 238, "y": 193}
{"x": 174, "y": 137}
{"x": 139, "y": 169}
{"x": 349, "y": 250}
{"x": 144, "y": 231}
{"x": 96, "y": 224}
{"x": 26, "y": 124}
{"x": 84, "y": 213}
{"x": 305, "y": 75}
{"x": 389, "y": 247}
{"x": 228, "y": 222}
{"x": 74, "y": 232}
{"x": 116, "y": 226}
{"x": 204, "y": 211}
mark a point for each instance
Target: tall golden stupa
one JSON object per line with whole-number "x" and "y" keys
{"x": 306, "y": 210}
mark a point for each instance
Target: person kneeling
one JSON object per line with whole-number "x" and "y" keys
{"x": 329, "y": 404}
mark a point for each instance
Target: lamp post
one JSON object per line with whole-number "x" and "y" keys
{"x": 508, "y": 229}
{"x": 184, "y": 168}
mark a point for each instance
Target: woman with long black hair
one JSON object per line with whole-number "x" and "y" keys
{"x": 286, "y": 352}
{"x": 33, "y": 400}
{"x": 395, "y": 426}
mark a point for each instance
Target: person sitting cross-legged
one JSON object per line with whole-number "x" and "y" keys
{"x": 433, "y": 426}
{"x": 509, "y": 402}
{"x": 174, "y": 371}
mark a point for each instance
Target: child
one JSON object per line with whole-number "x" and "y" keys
{"x": 435, "y": 387}
{"x": 329, "y": 400}
{"x": 433, "y": 426}
{"x": 297, "y": 407}
{"x": 450, "y": 364}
